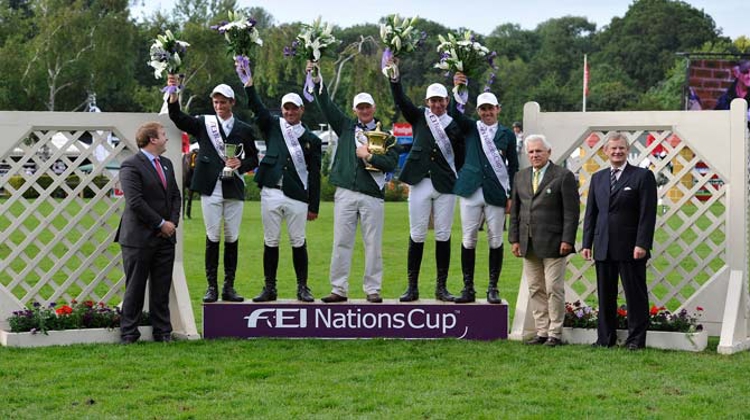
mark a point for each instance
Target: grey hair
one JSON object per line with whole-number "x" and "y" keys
{"x": 537, "y": 137}
{"x": 616, "y": 135}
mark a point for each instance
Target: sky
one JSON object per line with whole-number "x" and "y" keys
{"x": 481, "y": 16}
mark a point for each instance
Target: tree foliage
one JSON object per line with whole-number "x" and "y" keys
{"x": 644, "y": 41}
{"x": 54, "y": 53}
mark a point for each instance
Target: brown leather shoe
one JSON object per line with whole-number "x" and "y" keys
{"x": 553, "y": 342}
{"x": 333, "y": 298}
{"x": 374, "y": 298}
{"x": 537, "y": 340}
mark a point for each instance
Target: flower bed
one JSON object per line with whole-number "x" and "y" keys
{"x": 667, "y": 340}
{"x": 669, "y": 331}
{"x": 67, "y": 337}
{"x": 84, "y": 322}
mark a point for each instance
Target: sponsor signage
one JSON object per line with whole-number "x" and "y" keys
{"x": 292, "y": 319}
{"x": 402, "y": 130}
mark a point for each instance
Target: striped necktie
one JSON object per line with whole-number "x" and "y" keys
{"x": 613, "y": 178}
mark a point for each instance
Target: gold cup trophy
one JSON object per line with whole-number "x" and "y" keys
{"x": 376, "y": 144}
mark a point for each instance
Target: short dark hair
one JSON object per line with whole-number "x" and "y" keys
{"x": 517, "y": 124}
{"x": 146, "y": 132}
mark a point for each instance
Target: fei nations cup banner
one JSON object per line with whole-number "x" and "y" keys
{"x": 292, "y": 319}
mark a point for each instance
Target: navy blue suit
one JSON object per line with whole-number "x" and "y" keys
{"x": 615, "y": 223}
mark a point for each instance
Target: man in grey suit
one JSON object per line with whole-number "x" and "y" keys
{"x": 147, "y": 233}
{"x": 543, "y": 225}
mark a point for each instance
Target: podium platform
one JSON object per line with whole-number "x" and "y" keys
{"x": 423, "y": 319}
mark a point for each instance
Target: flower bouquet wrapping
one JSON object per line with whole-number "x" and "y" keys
{"x": 242, "y": 37}
{"x": 399, "y": 37}
{"x": 313, "y": 40}
{"x": 460, "y": 52}
{"x": 166, "y": 56}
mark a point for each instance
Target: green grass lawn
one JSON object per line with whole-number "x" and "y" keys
{"x": 270, "y": 378}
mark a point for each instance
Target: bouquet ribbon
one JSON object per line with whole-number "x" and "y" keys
{"x": 242, "y": 67}
{"x": 386, "y": 69}
{"x": 309, "y": 87}
{"x": 168, "y": 90}
{"x": 461, "y": 95}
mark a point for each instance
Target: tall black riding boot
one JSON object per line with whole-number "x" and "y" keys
{"x": 212, "y": 266}
{"x": 496, "y": 266}
{"x": 299, "y": 258}
{"x": 443, "y": 262}
{"x": 270, "y": 264}
{"x": 412, "y": 271}
{"x": 228, "y": 294}
{"x": 468, "y": 259}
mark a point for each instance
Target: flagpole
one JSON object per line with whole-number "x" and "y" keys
{"x": 585, "y": 79}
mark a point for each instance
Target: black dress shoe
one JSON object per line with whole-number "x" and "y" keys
{"x": 333, "y": 298}
{"x": 374, "y": 298}
{"x": 537, "y": 340}
{"x": 165, "y": 338}
{"x": 553, "y": 342}
{"x": 634, "y": 347}
{"x": 128, "y": 340}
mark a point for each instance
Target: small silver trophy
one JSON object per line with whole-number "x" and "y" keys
{"x": 231, "y": 151}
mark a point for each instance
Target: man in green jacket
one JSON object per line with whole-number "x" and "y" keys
{"x": 359, "y": 193}
{"x": 483, "y": 187}
{"x": 222, "y": 197}
{"x": 289, "y": 178}
{"x": 430, "y": 169}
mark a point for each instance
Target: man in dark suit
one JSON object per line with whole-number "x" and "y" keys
{"x": 289, "y": 178}
{"x": 619, "y": 224}
{"x": 222, "y": 195}
{"x": 543, "y": 226}
{"x": 147, "y": 233}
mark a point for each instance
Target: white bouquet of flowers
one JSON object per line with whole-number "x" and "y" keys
{"x": 242, "y": 37}
{"x": 400, "y": 37}
{"x": 314, "y": 39}
{"x": 166, "y": 56}
{"x": 462, "y": 53}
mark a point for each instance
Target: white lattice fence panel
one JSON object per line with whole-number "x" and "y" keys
{"x": 690, "y": 242}
{"x": 60, "y": 213}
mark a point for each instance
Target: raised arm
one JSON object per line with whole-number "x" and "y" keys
{"x": 410, "y": 111}
{"x": 466, "y": 123}
{"x": 262, "y": 114}
{"x": 334, "y": 115}
{"x": 183, "y": 121}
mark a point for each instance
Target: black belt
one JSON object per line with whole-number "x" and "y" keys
{"x": 276, "y": 187}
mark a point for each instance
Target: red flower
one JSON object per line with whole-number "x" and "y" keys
{"x": 89, "y": 303}
{"x": 101, "y": 304}
{"x": 64, "y": 310}
{"x": 73, "y": 302}
{"x": 654, "y": 310}
{"x": 700, "y": 308}
{"x": 622, "y": 312}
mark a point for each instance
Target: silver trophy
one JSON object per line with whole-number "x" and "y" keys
{"x": 231, "y": 151}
